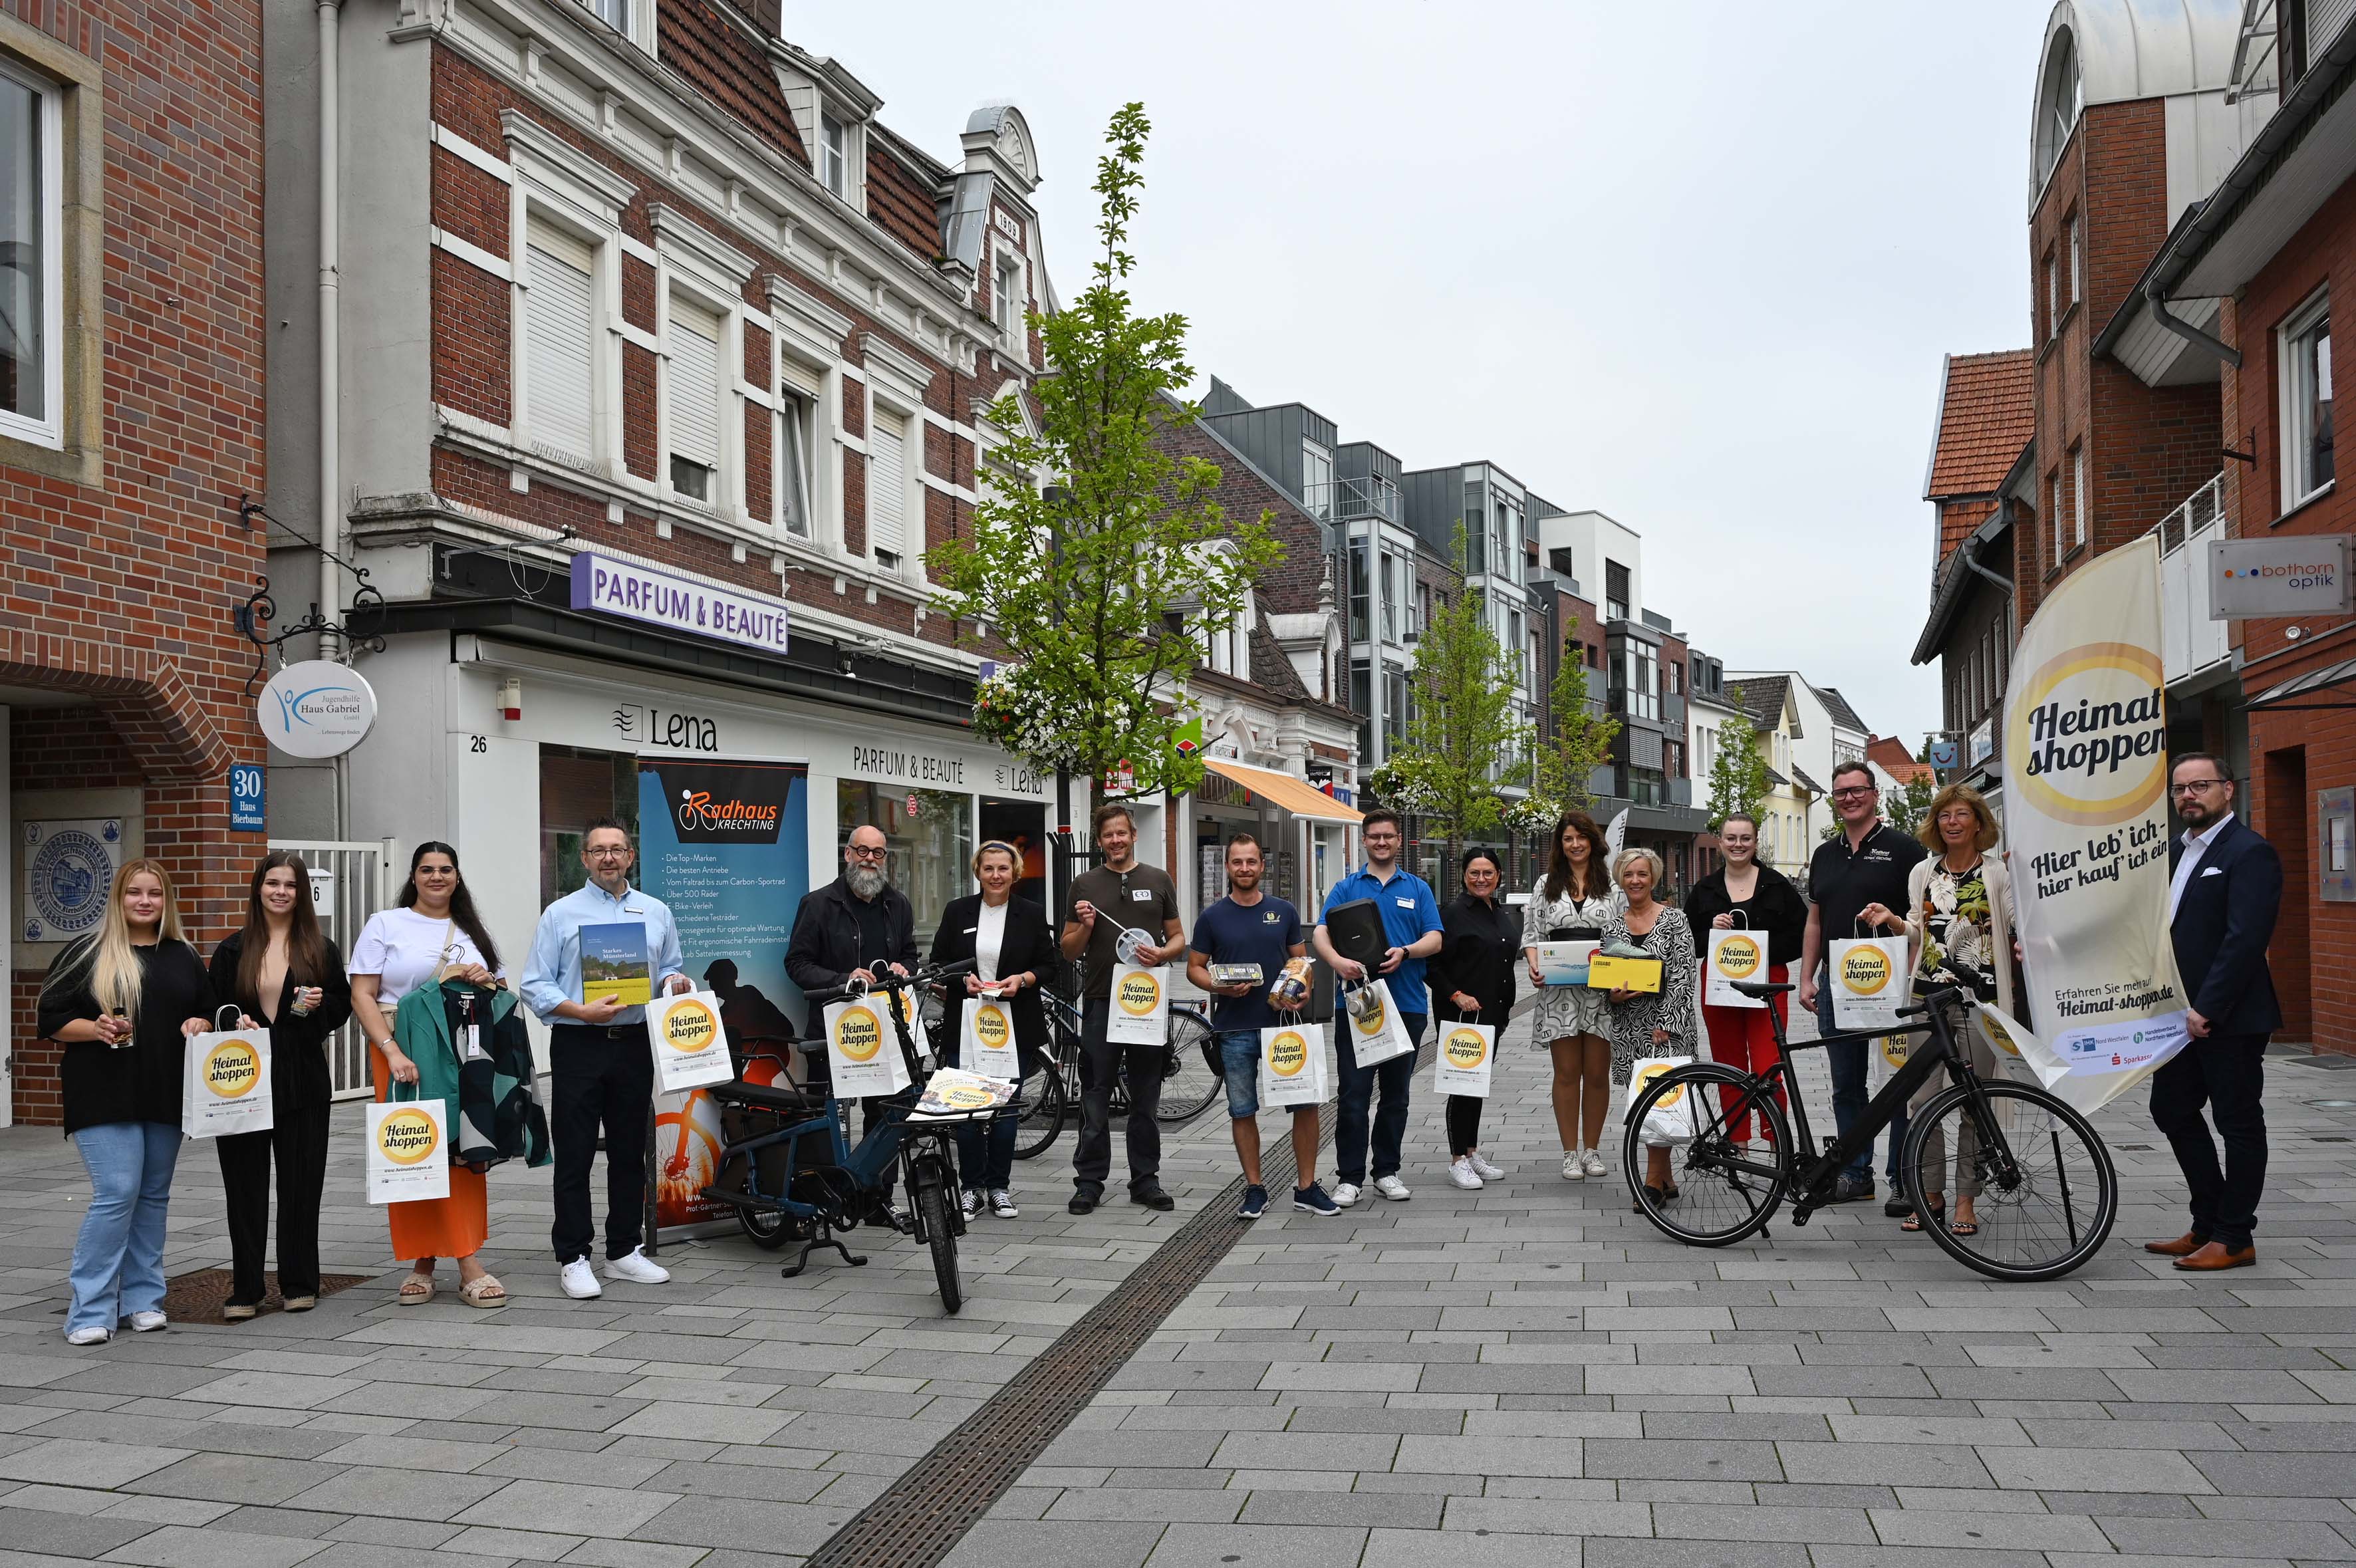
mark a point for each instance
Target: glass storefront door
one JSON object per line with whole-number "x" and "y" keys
{"x": 929, "y": 835}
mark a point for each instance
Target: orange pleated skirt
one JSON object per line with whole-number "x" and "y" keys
{"x": 452, "y": 1227}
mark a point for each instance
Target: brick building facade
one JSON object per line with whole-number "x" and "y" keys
{"x": 131, "y": 423}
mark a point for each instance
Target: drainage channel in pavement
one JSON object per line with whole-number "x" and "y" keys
{"x": 925, "y": 1513}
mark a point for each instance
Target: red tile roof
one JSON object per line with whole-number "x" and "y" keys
{"x": 1986, "y": 416}
{"x": 1890, "y": 753}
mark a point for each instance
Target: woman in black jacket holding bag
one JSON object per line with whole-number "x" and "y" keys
{"x": 1012, "y": 949}
{"x": 282, "y": 969}
{"x": 1471, "y": 980}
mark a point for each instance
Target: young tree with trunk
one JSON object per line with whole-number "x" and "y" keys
{"x": 1738, "y": 775}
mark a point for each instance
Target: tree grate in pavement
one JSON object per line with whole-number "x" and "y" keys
{"x": 199, "y": 1296}
{"x": 925, "y": 1513}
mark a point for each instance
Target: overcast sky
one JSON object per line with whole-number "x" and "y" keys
{"x": 1694, "y": 265}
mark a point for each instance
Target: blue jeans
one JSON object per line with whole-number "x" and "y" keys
{"x": 118, "y": 1258}
{"x": 1240, "y": 1067}
{"x": 1846, "y": 1059}
{"x": 1357, "y": 1094}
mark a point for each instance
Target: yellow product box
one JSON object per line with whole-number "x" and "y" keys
{"x": 1605, "y": 973}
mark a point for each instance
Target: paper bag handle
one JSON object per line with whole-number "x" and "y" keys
{"x": 229, "y": 1010}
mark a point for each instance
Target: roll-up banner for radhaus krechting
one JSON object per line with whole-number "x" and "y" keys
{"x": 2085, "y": 756}
{"x": 726, "y": 846}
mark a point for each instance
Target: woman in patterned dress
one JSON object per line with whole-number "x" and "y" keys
{"x": 1647, "y": 1023}
{"x": 1571, "y": 905}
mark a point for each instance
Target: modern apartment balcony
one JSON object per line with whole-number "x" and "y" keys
{"x": 2194, "y": 650}
{"x": 1351, "y": 500}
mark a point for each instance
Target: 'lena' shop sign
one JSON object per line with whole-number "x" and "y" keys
{"x": 661, "y": 599}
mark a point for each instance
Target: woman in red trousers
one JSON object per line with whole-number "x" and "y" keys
{"x": 1743, "y": 894}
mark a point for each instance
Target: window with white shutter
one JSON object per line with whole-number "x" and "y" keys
{"x": 694, "y": 403}
{"x": 887, "y": 489}
{"x": 793, "y": 464}
{"x": 557, "y": 343}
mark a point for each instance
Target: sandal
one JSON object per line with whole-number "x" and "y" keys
{"x": 416, "y": 1290}
{"x": 1964, "y": 1228}
{"x": 1914, "y": 1220}
{"x": 483, "y": 1291}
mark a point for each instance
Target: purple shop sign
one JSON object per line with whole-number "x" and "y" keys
{"x": 662, "y": 598}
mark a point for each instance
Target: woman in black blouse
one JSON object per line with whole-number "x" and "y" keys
{"x": 1747, "y": 895}
{"x": 1472, "y": 978}
{"x": 123, "y": 1001}
{"x": 1012, "y": 949}
{"x": 285, "y": 973}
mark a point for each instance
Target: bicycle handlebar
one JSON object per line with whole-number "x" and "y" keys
{"x": 931, "y": 975}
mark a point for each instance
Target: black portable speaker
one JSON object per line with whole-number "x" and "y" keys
{"x": 1355, "y": 929}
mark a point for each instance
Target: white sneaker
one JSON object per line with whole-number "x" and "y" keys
{"x": 969, "y": 1201}
{"x": 1571, "y": 1170}
{"x": 90, "y": 1335}
{"x": 1594, "y": 1162}
{"x": 147, "y": 1322}
{"x": 1345, "y": 1194}
{"x": 1484, "y": 1169}
{"x": 638, "y": 1268}
{"x": 1391, "y": 1187}
{"x": 580, "y": 1280}
{"x": 1001, "y": 1204}
{"x": 1462, "y": 1173}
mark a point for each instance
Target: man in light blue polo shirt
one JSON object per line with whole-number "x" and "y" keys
{"x": 597, "y": 1053}
{"x": 1411, "y": 921}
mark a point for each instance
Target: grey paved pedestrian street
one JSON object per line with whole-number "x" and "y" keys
{"x": 1524, "y": 1374}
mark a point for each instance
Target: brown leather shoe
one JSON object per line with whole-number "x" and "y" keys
{"x": 2184, "y": 1245}
{"x": 2217, "y": 1255}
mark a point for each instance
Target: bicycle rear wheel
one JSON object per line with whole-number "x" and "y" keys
{"x": 1726, "y": 1190}
{"x": 1188, "y": 1084}
{"x": 1045, "y": 1106}
{"x": 2047, "y": 1192}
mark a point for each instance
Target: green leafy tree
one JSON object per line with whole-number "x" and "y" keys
{"x": 1905, "y": 808}
{"x": 1581, "y": 741}
{"x": 1463, "y": 741}
{"x": 1738, "y": 774}
{"x": 1103, "y": 582}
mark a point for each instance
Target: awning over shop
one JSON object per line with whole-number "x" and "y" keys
{"x": 2332, "y": 680}
{"x": 1284, "y": 790}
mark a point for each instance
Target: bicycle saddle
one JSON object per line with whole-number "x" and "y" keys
{"x": 1758, "y": 989}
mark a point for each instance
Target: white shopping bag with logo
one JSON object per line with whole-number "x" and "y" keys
{"x": 1867, "y": 977}
{"x": 1462, "y": 1065}
{"x": 1140, "y": 1013}
{"x": 1676, "y": 1117}
{"x": 408, "y": 1152}
{"x": 1885, "y": 1058}
{"x": 1376, "y": 1032}
{"x": 2004, "y": 1036}
{"x": 689, "y": 1046}
{"x": 225, "y": 1083}
{"x": 986, "y": 1039}
{"x": 863, "y": 1054}
{"x": 1735, "y": 953}
{"x": 1293, "y": 1069}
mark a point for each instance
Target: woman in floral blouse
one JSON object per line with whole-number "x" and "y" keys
{"x": 1651, "y": 1023}
{"x": 1959, "y": 928}
{"x": 1571, "y": 903}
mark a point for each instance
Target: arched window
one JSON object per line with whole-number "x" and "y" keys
{"x": 2059, "y": 99}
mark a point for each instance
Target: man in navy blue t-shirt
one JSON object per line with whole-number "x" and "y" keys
{"x": 1249, "y": 926}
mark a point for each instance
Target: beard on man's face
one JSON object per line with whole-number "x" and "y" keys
{"x": 866, "y": 881}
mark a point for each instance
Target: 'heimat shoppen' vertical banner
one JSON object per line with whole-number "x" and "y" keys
{"x": 2086, "y": 753}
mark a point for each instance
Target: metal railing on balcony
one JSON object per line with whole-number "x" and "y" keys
{"x": 2192, "y": 644}
{"x": 1361, "y": 496}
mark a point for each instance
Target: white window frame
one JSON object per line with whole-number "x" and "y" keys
{"x": 807, "y": 336}
{"x": 793, "y": 443}
{"x": 2077, "y": 263}
{"x": 835, "y": 161}
{"x": 2081, "y": 524}
{"x": 539, "y": 216}
{"x": 2291, "y": 407}
{"x": 1006, "y": 264}
{"x": 1317, "y": 480}
{"x": 896, "y": 381}
{"x": 912, "y": 490}
{"x": 729, "y": 352}
{"x": 50, "y": 431}
{"x": 2053, "y": 496}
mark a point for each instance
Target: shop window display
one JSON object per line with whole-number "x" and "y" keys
{"x": 576, "y": 788}
{"x": 928, "y": 835}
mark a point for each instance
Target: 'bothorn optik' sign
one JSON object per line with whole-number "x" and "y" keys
{"x": 2285, "y": 576}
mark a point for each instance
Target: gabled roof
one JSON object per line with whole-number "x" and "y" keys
{"x": 1837, "y": 705}
{"x": 1804, "y": 782}
{"x": 1987, "y": 414}
{"x": 1889, "y": 753}
{"x": 1763, "y": 699}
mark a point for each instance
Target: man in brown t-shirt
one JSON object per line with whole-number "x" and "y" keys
{"x": 1120, "y": 895}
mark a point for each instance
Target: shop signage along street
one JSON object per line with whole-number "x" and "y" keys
{"x": 2085, "y": 745}
{"x": 649, "y": 594}
{"x": 726, "y": 845}
{"x": 2293, "y": 574}
{"x": 316, "y": 708}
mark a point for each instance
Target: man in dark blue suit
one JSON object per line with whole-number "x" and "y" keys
{"x": 2225, "y": 893}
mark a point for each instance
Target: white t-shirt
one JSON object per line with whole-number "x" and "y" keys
{"x": 990, "y": 938}
{"x": 404, "y": 948}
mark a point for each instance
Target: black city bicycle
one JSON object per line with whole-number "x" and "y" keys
{"x": 1051, "y": 1090}
{"x": 2049, "y": 1194}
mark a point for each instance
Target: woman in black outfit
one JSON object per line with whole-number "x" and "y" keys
{"x": 1747, "y": 895}
{"x": 1471, "y": 979}
{"x": 1012, "y": 949}
{"x": 284, "y": 971}
{"x": 123, "y": 1001}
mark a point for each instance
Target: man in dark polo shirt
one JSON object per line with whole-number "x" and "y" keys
{"x": 1860, "y": 871}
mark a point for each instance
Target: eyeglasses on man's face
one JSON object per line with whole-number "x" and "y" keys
{"x": 870, "y": 851}
{"x": 608, "y": 851}
{"x": 1858, "y": 794}
{"x": 2195, "y": 787}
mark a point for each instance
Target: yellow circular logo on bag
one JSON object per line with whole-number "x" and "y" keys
{"x": 1864, "y": 970}
{"x": 1893, "y": 1050}
{"x": 231, "y": 1069}
{"x": 966, "y": 1097}
{"x": 1998, "y": 1035}
{"x": 990, "y": 1029}
{"x": 1370, "y": 1022}
{"x": 1139, "y": 993}
{"x": 1287, "y": 1054}
{"x": 407, "y": 1137}
{"x": 1645, "y": 1075}
{"x": 1465, "y": 1049}
{"x": 690, "y": 1026}
{"x": 858, "y": 1034}
{"x": 1737, "y": 958}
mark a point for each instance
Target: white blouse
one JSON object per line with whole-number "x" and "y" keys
{"x": 403, "y": 949}
{"x": 990, "y": 938}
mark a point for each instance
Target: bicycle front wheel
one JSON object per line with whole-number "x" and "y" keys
{"x": 1188, "y": 1083}
{"x": 2048, "y": 1191}
{"x": 1043, "y": 1109}
{"x": 1727, "y": 1188}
